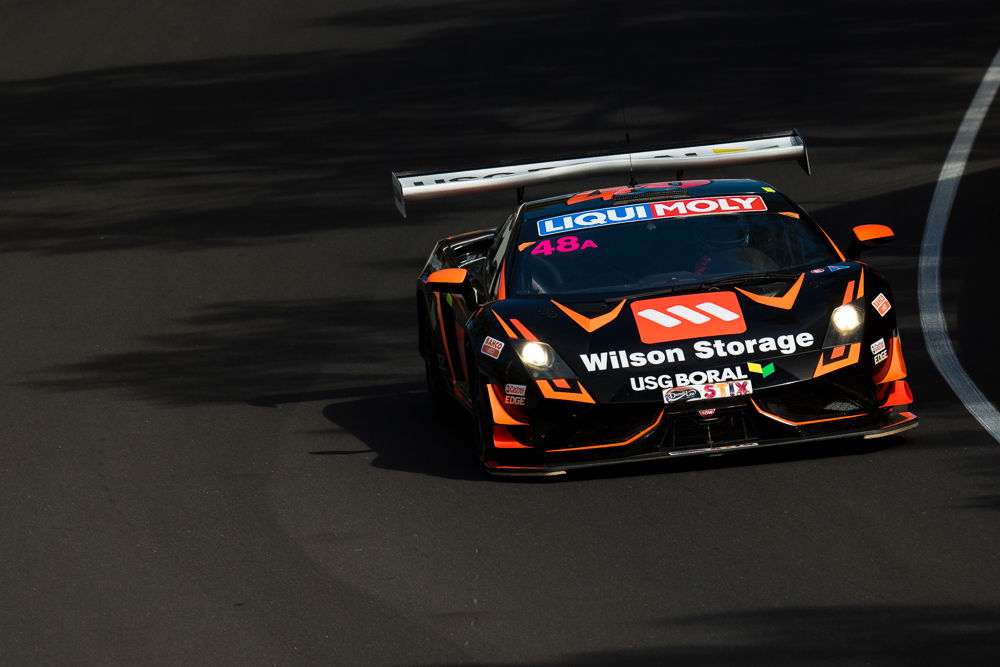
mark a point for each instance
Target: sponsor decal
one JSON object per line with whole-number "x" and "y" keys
{"x": 881, "y": 304}
{"x": 492, "y": 347}
{"x": 878, "y": 346}
{"x": 837, "y": 267}
{"x": 706, "y": 413}
{"x": 513, "y": 400}
{"x": 703, "y": 349}
{"x": 615, "y": 215}
{"x": 701, "y": 392}
{"x": 689, "y": 316}
{"x": 669, "y": 381}
{"x": 563, "y": 244}
{"x": 680, "y": 394}
{"x": 817, "y": 271}
{"x": 607, "y": 193}
{"x": 763, "y": 370}
{"x": 881, "y": 356}
{"x": 515, "y": 389}
{"x": 787, "y": 344}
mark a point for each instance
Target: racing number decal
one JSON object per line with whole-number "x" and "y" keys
{"x": 563, "y": 244}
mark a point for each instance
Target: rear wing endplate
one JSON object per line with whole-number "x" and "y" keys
{"x": 414, "y": 185}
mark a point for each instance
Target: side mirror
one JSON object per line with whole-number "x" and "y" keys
{"x": 867, "y": 237}
{"x": 449, "y": 281}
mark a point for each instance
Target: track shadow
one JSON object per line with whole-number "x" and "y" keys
{"x": 402, "y": 431}
{"x": 269, "y": 149}
{"x": 876, "y": 635}
{"x": 260, "y": 352}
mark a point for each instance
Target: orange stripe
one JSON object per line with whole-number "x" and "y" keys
{"x": 853, "y": 354}
{"x": 790, "y": 214}
{"x": 580, "y": 396}
{"x": 562, "y": 384}
{"x": 500, "y": 415}
{"x": 591, "y": 324}
{"x": 507, "y": 329}
{"x": 502, "y": 286}
{"x": 849, "y": 293}
{"x": 502, "y": 439}
{"x": 784, "y": 302}
{"x": 896, "y": 368}
{"x": 898, "y": 394}
{"x": 521, "y": 247}
{"x": 791, "y": 423}
{"x": 838, "y": 352}
{"x": 616, "y": 444}
{"x": 523, "y": 329}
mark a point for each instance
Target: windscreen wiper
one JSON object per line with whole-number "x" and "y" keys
{"x": 747, "y": 278}
{"x": 743, "y": 279}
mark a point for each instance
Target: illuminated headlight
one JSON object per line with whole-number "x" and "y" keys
{"x": 536, "y": 355}
{"x": 846, "y": 318}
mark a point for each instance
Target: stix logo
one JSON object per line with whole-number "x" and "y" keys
{"x": 663, "y": 209}
{"x": 689, "y": 316}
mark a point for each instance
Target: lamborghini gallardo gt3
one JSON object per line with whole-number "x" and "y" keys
{"x": 655, "y": 320}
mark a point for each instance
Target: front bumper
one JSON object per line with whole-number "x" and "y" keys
{"x": 565, "y": 437}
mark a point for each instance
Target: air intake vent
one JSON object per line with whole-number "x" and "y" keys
{"x": 657, "y": 195}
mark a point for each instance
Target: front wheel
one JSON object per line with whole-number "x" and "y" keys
{"x": 435, "y": 383}
{"x": 482, "y": 414}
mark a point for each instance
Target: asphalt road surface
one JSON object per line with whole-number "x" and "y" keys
{"x": 216, "y": 447}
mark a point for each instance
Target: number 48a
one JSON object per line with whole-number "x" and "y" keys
{"x": 563, "y": 244}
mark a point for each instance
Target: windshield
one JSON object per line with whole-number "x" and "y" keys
{"x": 638, "y": 257}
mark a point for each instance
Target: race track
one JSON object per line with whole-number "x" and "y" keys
{"x": 216, "y": 441}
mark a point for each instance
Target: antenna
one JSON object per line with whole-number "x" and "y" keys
{"x": 628, "y": 145}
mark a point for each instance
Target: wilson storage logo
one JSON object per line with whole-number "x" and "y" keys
{"x": 689, "y": 316}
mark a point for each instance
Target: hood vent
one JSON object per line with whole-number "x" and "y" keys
{"x": 654, "y": 195}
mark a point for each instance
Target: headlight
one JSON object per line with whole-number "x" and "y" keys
{"x": 846, "y": 318}
{"x": 536, "y": 355}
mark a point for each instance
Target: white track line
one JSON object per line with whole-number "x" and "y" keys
{"x": 929, "y": 273}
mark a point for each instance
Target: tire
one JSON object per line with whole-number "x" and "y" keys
{"x": 482, "y": 414}
{"x": 439, "y": 399}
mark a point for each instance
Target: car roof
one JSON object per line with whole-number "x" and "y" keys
{"x": 624, "y": 194}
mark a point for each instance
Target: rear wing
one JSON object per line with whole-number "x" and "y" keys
{"x": 414, "y": 185}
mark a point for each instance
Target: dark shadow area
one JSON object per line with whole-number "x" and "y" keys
{"x": 404, "y": 434}
{"x": 971, "y": 277}
{"x": 263, "y": 353}
{"x": 877, "y": 636}
{"x": 263, "y": 149}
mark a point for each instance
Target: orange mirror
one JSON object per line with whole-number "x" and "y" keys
{"x": 865, "y": 233}
{"x": 450, "y": 276}
{"x": 868, "y": 236}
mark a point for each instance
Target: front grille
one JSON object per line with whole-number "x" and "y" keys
{"x": 848, "y": 391}
{"x": 691, "y": 430}
{"x": 582, "y": 425}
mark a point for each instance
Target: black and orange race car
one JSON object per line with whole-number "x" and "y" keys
{"x": 655, "y": 321}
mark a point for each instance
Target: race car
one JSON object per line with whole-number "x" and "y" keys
{"x": 657, "y": 320}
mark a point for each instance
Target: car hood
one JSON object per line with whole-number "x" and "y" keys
{"x": 632, "y": 349}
